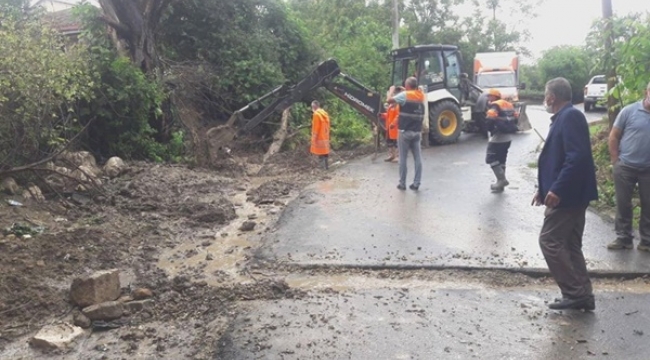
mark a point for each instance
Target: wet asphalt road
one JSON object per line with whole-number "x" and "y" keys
{"x": 438, "y": 323}
{"x": 359, "y": 219}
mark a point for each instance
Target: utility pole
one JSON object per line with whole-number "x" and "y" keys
{"x": 395, "y": 25}
{"x": 609, "y": 63}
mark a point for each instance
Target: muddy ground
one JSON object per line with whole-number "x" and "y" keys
{"x": 173, "y": 229}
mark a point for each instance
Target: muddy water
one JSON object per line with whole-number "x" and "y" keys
{"x": 222, "y": 261}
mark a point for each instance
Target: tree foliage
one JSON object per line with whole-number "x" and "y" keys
{"x": 41, "y": 81}
{"x": 570, "y": 62}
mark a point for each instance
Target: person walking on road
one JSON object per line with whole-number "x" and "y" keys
{"x": 320, "y": 134}
{"x": 411, "y": 116}
{"x": 500, "y": 121}
{"x": 566, "y": 184}
{"x": 629, "y": 151}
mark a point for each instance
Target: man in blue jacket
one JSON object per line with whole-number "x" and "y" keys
{"x": 566, "y": 184}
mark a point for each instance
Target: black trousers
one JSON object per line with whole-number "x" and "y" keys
{"x": 561, "y": 244}
{"x": 626, "y": 178}
{"x": 497, "y": 153}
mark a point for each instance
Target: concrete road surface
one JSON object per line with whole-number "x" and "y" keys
{"x": 359, "y": 219}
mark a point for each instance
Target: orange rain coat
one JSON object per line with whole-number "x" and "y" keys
{"x": 392, "y": 115}
{"x": 320, "y": 133}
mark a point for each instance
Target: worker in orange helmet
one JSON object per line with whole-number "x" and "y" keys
{"x": 391, "y": 117}
{"x": 501, "y": 122}
{"x": 320, "y": 134}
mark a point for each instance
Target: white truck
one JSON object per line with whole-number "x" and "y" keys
{"x": 499, "y": 70}
{"x": 595, "y": 91}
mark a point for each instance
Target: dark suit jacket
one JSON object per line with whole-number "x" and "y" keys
{"x": 566, "y": 165}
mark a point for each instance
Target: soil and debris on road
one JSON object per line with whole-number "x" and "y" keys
{"x": 139, "y": 222}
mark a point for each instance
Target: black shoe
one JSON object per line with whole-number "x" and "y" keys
{"x": 620, "y": 244}
{"x": 413, "y": 187}
{"x": 401, "y": 187}
{"x": 587, "y": 303}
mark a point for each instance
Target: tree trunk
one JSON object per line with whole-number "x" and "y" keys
{"x": 135, "y": 23}
{"x": 610, "y": 66}
{"x": 280, "y": 135}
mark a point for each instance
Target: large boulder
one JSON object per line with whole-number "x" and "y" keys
{"x": 114, "y": 167}
{"x": 97, "y": 288}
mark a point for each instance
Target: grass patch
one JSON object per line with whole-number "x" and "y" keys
{"x": 532, "y": 165}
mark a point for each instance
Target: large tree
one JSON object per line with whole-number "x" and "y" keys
{"x": 135, "y": 24}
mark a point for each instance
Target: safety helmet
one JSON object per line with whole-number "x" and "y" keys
{"x": 495, "y": 92}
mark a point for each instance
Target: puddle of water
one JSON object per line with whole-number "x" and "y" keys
{"x": 338, "y": 184}
{"x": 346, "y": 282}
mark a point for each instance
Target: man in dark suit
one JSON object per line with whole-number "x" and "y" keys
{"x": 566, "y": 184}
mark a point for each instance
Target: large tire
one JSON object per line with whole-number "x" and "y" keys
{"x": 445, "y": 123}
{"x": 587, "y": 107}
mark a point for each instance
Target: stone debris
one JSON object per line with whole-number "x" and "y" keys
{"x": 142, "y": 293}
{"x": 114, "y": 167}
{"x": 56, "y": 337}
{"x": 105, "y": 311}
{"x": 9, "y": 186}
{"x": 97, "y": 288}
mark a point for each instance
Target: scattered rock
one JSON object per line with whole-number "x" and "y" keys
{"x": 9, "y": 186}
{"x": 114, "y": 167}
{"x": 59, "y": 336}
{"x": 140, "y": 305}
{"x": 248, "y": 226}
{"x": 81, "y": 320}
{"x": 33, "y": 192}
{"x": 97, "y": 288}
{"x": 105, "y": 311}
{"x": 79, "y": 158}
{"x": 86, "y": 174}
{"x": 125, "y": 298}
{"x": 142, "y": 293}
{"x": 40, "y": 263}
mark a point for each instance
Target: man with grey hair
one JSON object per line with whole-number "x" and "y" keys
{"x": 411, "y": 116}
{"x": 629, "y": 151}
{"x": 566, "y": 184}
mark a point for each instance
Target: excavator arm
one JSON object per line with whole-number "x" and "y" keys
{"x": 328, "y": 75}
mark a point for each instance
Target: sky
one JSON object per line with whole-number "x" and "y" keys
{"x": 566, "y": 22}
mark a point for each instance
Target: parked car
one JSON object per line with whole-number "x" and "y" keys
{"x": 595, "y": 91}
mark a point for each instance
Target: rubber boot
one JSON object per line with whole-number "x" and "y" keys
{"x": 391, "y": 155}
{"x": 324, "y": 162}
{"x": 501, "y": 183}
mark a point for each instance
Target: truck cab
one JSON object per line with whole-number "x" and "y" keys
{"x": 499, "y": 70}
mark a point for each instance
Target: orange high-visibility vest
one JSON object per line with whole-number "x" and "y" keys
{"x": 501, "y": 109}
{"x": 320, "y": 133}
{"x": 392, "y": 117}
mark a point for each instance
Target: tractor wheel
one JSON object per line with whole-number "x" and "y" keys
{"x": 445, "y": 123}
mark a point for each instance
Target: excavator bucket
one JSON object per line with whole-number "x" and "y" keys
{"x": 221, "y": 136}
{"x": 524, "y": 123}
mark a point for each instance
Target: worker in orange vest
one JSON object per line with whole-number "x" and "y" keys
{"x": 320, "y": 134}
{"x": 391, "y": 117}
{"x": 501, "y": 122}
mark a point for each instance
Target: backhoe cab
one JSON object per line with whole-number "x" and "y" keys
{"x": 450, "y": 94}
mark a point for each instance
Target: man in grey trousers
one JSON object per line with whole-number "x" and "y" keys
{"x": 411, "y": 115}
{"x": 629, "y": 151}
{"x": 566, "y": 184}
